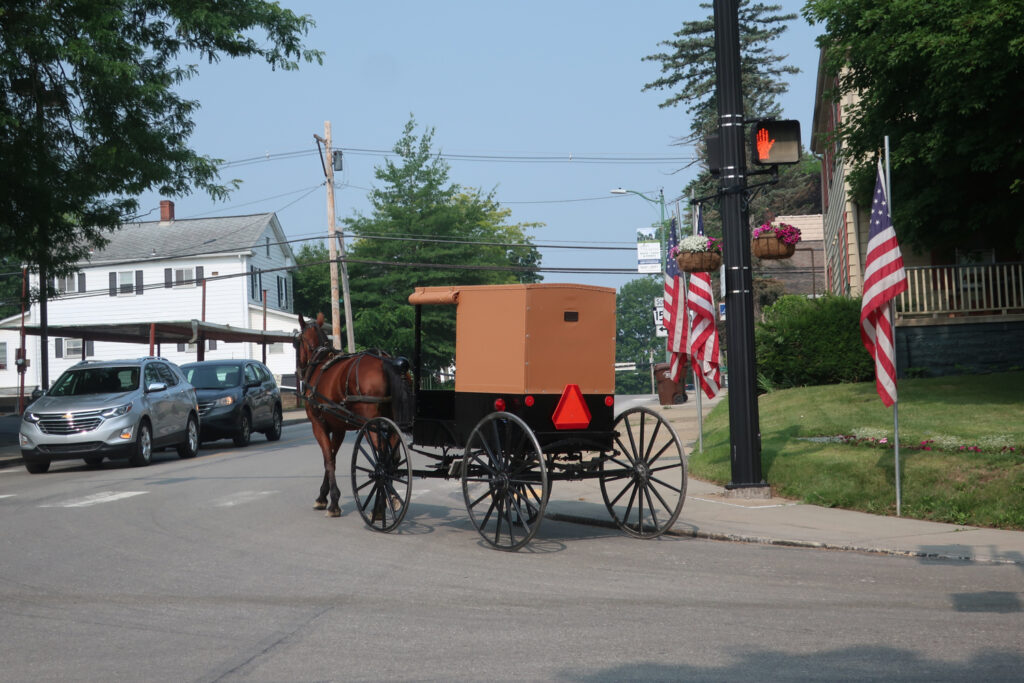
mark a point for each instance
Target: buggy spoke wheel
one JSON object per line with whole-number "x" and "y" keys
{"x": 504, "y": 481}
{"x": 381, "y": 474}
{"x": 644, "y": 483}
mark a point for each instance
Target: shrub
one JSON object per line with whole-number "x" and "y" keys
{"x": 806, "y": 342}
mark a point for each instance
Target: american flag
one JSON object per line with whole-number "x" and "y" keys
{"x": 703, "y": 341}
{"x": 884, "y": 279}
{"x": 675, "y": 314}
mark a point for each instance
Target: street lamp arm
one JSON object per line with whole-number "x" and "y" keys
{"x": 619, "y": 190}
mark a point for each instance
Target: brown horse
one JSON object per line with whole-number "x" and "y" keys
{"x": 341, "y": 392}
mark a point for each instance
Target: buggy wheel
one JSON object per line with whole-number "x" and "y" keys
{"x": 643, "y": 483}
{"x": 381, "y": 474}
{"x": 504, "y": 481}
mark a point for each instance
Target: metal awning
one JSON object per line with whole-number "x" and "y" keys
{"x": 166, "y": 332}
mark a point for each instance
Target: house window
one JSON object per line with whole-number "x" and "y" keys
{"x": 73, "y": 348}
{"x": 267, "y": 242}
{"x": 125, "y": 282}
{"x": 72, "y": 283}
{"x": 183, "y": 277}
{"x": 280, "y": 292}
{"x": 3, "y": 355}
{"x": 275, "y": 348}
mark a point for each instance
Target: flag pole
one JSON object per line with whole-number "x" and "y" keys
{"x": 696, "y": 380}
{"x": 892, "y": 316}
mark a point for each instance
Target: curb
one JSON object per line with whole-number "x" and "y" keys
{"x": 782, "y": 542}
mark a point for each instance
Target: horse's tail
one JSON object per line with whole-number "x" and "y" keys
{"x": 403, "y": 401}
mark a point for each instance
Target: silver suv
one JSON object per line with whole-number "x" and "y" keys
{"x": 101, "y": 409}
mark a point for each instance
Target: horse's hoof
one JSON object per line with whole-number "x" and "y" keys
{"x": 333, "y": 513}
{"x": 319, "y": 506}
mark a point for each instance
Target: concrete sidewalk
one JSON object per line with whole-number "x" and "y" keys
{"x": 714, "y": 513}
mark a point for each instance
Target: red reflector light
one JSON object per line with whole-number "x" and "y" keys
{"x": 499, "y": 405}
{"x": 529, "y": 401}
{"x": 609, "y": 401}
{"x": 571, "y": 411}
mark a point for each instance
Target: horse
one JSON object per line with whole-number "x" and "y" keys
{"x": 341, "y": 392}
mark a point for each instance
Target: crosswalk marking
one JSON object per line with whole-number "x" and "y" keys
{"x": 241, "y": 497}
{"x": 95, "y": 499}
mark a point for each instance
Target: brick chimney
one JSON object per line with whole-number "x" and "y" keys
{"x": 166, "y": 211}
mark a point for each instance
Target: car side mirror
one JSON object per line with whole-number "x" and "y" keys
{"x": 37, "y": 393}
{"x": 155, "y": 386}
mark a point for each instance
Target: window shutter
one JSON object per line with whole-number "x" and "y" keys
{"x": 138, "y": 282}
{"x": 58, "y": 347}
{"x": 89, "y": 350}
{"x": 81, "y": 282}
{"x": 168, "y": 278}
{"x": 181, "y": 347}
{"x": 212, "y": 345}
{"x": 113, "y": 284}
{"x": 199, "y": 276}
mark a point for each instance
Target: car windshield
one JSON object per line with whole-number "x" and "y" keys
{"x": 214, "y": 376}
{"x": 109, "y": 380}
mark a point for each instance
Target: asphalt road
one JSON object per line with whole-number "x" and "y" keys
{"x": 218, "y": 569}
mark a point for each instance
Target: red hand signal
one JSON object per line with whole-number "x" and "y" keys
{"x": 764, "y": 145}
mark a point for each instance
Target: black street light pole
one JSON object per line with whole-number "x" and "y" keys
{"x": 744, "y": 424}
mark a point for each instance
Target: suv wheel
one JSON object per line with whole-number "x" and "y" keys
{"x": 274, "y": 433}
{"x": 143, "y": 446}
{"x": 244, "y": 432}
{"x": 190, "y": 446}
{"x": 37, "y": 466}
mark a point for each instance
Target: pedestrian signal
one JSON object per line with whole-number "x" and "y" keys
{"x": 775, "y": 142}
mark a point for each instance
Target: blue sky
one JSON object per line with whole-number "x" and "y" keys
{"x": 499, "y": 79}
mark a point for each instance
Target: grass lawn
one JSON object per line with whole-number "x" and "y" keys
{"x": 961, "y": 448}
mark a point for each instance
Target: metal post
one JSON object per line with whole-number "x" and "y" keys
{"x": 744, "y": 423}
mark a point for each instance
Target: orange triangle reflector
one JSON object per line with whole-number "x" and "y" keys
{"x": 572, "y": 411}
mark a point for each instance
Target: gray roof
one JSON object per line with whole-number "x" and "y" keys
{"x": 183, "y": 238}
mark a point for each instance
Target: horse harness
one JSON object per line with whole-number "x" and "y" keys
{"x": 322, "y": 359}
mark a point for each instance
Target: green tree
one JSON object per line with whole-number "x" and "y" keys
{"x": 312, "y": 280}
{"x": 425, "y": 230}
{"x": 89, "y": 116}
{"x": 688, "y": 66}
{"x": 944, "y": 79}
{"x": 635, "y": 340}
{"x": 688, "y": 73}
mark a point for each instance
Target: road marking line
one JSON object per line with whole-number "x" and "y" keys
{"x": 96, "y": 499}
{"x": 242, "y": 497}
{"x": 7, "y": 495}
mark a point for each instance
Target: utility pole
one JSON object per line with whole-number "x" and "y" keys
{"x": 333, "y": 246}
{"x": 744, "y": 422}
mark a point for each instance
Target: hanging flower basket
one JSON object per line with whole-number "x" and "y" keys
{"x": 771, "y": 248}
{"x": 699, "y": 261}
{"x": 774, "y": 241}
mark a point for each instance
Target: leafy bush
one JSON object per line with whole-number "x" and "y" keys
{"x": 806, "y": 342}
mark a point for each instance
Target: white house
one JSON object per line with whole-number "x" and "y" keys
{"x": 155, "y": 271}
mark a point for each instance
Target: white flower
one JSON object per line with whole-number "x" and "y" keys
{"x": 694, "y": 243}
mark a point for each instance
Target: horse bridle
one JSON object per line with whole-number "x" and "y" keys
{"x": 316, "y": 353}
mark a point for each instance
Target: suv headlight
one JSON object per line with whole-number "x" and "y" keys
{"x": 224, "y": 401}
{"x": 118, "y": 411}
{"x": 31, "y": 417}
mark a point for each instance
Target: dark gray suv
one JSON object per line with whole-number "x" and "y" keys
{"x": 111, "y": 409}
{"x": 236, "y": 398}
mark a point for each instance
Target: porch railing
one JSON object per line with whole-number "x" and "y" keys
{"x": 991, "y": 289}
